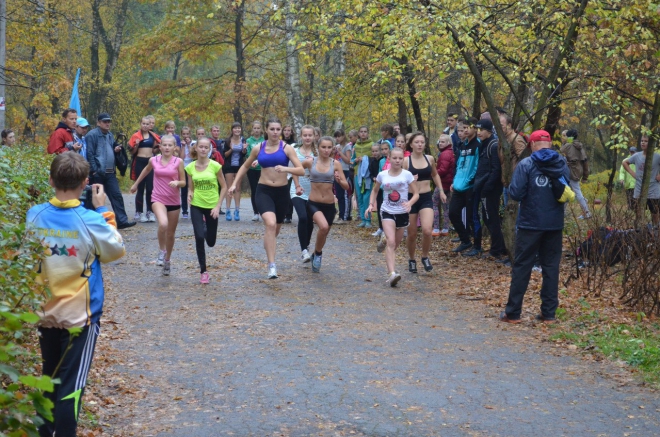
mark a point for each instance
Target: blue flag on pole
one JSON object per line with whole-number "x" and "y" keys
{"x": 75, "y": 97}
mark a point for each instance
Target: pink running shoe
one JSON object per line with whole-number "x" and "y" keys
{"x": 205, "y": 278}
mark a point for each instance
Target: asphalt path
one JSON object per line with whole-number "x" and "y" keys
{"x": 338, "y": 353}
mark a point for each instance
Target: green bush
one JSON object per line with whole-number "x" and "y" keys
{"x": 23, "y": 183}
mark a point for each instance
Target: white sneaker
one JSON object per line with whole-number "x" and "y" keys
{"x": 137, "y": 217}
{"x": 161, "y": 258}
{"x": 393, "y": 279}
{"x": 151, "y": 217}
{"x": 382, "y": 244}
{"x": 405, "y": 233}
{"x": 378, "y": 233}
{"x": 272, "y": 272}
{"x": 255, "y": 218}
{"x": 305, "y": 256}
{"x": 143, "y": 218}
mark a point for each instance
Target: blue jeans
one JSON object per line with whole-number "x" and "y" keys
{"x": 111, "y": 187}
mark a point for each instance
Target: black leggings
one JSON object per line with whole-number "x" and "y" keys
{"x": 305, "y": 223}
{"x": 204, "y": 230}
{"x": 289, "y": 210}
{"x": 184, "y": 197}
{"x": 253, "y": 179}
{"x": 148, "y": 182}
{"x": 379, "y": 203}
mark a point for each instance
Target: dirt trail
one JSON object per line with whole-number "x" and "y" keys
{"x": 335, "y": 353}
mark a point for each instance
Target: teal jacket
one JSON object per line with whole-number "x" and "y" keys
{"x": 466, "y": 165}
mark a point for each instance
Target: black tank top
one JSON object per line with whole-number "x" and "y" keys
{"x": 423, "y": 174}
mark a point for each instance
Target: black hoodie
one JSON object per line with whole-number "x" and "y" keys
{"x": 488, "y": 178}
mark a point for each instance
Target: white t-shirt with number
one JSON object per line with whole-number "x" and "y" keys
{"x": 395, "y": 190}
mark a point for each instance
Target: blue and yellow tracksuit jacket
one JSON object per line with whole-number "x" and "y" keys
{"x": 76, "y": 241}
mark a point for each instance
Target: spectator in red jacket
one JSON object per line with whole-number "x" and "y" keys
{"x": 446, "y": 166}
{"x": 62, "y": 139}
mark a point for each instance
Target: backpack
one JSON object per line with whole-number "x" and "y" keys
{"x": 528, "y": 150}
{"x": 605, "y": 245}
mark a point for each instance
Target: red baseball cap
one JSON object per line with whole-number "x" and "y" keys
{"x": 540, "y": 135}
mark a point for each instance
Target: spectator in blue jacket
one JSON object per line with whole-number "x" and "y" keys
{"x": 540, "y": 224}
{"x": 461, "y": 207}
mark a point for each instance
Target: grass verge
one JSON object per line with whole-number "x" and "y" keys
{"x": 638, "y": 345}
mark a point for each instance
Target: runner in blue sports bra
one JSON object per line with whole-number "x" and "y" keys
{"x": 321, "y": 203}
{"x": 273, "y": 155}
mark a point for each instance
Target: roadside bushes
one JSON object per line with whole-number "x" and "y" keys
{"x": 23, "y": 183}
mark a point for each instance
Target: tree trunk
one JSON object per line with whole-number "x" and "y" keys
{"x": 565, "y": 50}
{"x": 293, "y": 92}
{"x": 640, "y": 212}
{"x": 476, "y": 97}
{"x": 177, "y": 64}
{"x": 511, "y": 210}
{"x": 402, "y": 115}
{"x": 517, "y": 108}
{"x": 240, "y": 62}
{"x": 412, "y": 94}
{"x": 112, "y": 46}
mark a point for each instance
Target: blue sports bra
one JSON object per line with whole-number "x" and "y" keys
{"x": 146, "y": 143}
{"x": 268, "y": 160}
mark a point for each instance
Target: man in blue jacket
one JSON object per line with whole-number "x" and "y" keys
{"x": 461, "y": 205}
{"x": 101, "y": 155}
{"x": 540, "y": 224}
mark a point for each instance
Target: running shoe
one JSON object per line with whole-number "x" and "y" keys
{"x": 143, "y": 218}
{"x": 305, "y": 257}
{"x": 204, "y": 279}
{"x": 151, "y": 217}
{"x": 362, "y": 224}
{"x": 537, "y": 269}
{"x": 339, "y": 222}
{"x": 166, "y": 268}
{"x": 382, "y": 244}
{"x": 367, "y": 224}
{"x": 228, "y": 216}
{"x": 444, "y": 232}
{"x": 405, "y": 233}
{"x": 255, "y": 218}
{"x": 587, "y": 216}
{"x": 456, "y": 240}
{"x": 412, "y": 266}
{"x": 161, "y": 258}
{"x": 378, "y": 233}
{"x": 184, "y": 215}
{"x": 427, "y": 264}
{"x": 287, "y": 221}
{"x": 316, "y": 263}
{"x": 237, "y": 216}
{"x": 221, "y": 212}
{"x": 436, "y": 233}
{"x": 137, "y": 217}
{"x": 272, "y": 272}
{"x": 393, "y": 279}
